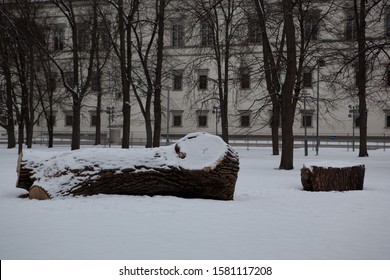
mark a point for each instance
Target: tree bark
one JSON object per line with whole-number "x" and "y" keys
{"x": 319, "y": 178}
{"x": 286, "y": 161}
{"x": 216, "y": 179}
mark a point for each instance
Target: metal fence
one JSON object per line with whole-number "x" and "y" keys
{"x": 347, "y": 141}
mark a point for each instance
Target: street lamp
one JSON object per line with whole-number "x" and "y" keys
{"x": 168, "y": 100}
{"x": 354, "y": 114}
{"x": 320, "y": 63}
{"x": 215, "y": 111}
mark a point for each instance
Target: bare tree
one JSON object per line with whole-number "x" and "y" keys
{"x": 79, "y": 87}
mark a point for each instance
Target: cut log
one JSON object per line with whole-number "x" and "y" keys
{"x": 320, "y": 178}
{"x": 199, "y": 165}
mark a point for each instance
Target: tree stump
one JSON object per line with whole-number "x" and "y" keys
{"x": 322, "y": 178}
{"x": 199, "y": 165}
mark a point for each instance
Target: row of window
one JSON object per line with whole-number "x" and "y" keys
{"x": 203, "y": 119}
{"x": 203, "y": 79}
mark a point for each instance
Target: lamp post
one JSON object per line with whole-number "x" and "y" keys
{"x": 320, "y": 63}
{"x": 215, "y": 111}
{"x": 354, "y": 114}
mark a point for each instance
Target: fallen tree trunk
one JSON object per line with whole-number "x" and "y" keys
{"x": 320, "y": 178}
{"x": 199, "y": 165}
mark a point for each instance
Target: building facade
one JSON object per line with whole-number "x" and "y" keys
{"x": 196, "y": 71}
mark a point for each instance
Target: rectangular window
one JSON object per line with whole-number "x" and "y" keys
{"x": 177, "y": 120}
{"x": 245, "y": 121}
{"x": 350, "y": 27}
{"x": 83, "y": 36}
{"x": 310, "y": 29}
{"x": 307, "y": 120}
{"x": 177, "y": 81}
{"x": 206, "y": 35}
{"x": 244, "y": 78}
{"x": 93, "y": 120}
{"x": 52, "y": 84}
{"x": 94, "y": 82}
{"x": 104, "y": 36}
{"x": 177, "y": 35}
{"x": 388, "y": 121}
{"x": 203, "y": 81}
{"x": 388, "y": 76}
{"x": 254, "y": 31}
{"x": 307, "y": 77}
{"x": 58, "y": 38}
{"x": 387, "y": 24}
{"x": 202, "y": 121}
{"x": 68, "y": 120}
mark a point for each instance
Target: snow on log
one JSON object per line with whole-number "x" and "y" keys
{"x": 332, "y": 177}
{"x": 200, "y": 165}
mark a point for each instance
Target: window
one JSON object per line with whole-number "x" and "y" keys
{"x": 203, "y": 79}
{"x": 104, "y": 36}
{"x": 387, "y": 24}
{"x": 177, "y": 118}
{"x": 68, "y": 119}
{"x": 350, "y": 27}
{"x": 177, "y": 80}
{"x": 254, "y": 31}
{"x": 310, "y": 29}
{"x": 83, "y": 36}
{"x": 202, "y": 121}
{"x": 245, "y": 121}
{"x": 93, "y": 119}
{"x": 388, "y": 120}
{"x": 177, "y": 35}
{"x": 206, "y": 35}
{"x": 202, "y": 118}
{"x": 52, "y": 85}
{"x": 388, "y": 76}
{"x": 58, "y": 38}
{"x": 307, "y": 119}
{"x": 95, "y": 82}
{"x": 244, "y": 78}
{"x": 307, "y": 77}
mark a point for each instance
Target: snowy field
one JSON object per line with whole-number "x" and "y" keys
{"x": 269, "y": 218}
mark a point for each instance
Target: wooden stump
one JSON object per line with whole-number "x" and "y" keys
{"x": 318, "y": 178}
{"x": 200, "y": 165}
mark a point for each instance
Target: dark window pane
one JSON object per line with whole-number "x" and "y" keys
{"x": 202, "y": 81}
{"x": 176, "y": 120}
{"x": 202, "y": 121}
{"x": 177, "y": 81}
{"x": 245, "y": 121}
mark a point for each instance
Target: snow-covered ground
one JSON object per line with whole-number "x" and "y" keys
{"x": 269, "y": 218}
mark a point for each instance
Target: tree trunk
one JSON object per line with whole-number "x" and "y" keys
{"x": 157, "y": 86}
{"x": 317, "y": 178}
{"x": 76, "y": 124}
{"x": 287, "y": 90}
{"x": 184, "y": 169}
{"x": 361, "y": 81}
